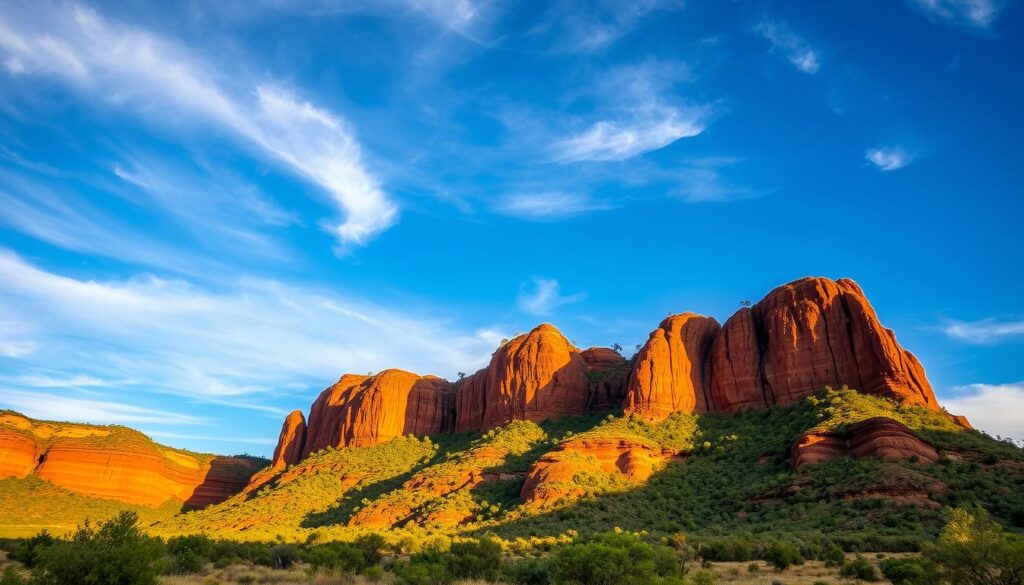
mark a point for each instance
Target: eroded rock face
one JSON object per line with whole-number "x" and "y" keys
{"x": 367, "y": 410}
{"x": 672, "y": 371}
{"x": 290, "y": 441}
{"x": 551, "y": 479}
{"x": 880, "y": 436}
{"x": 93, "y": 461}
{"x": 18, "y": 454}
{"x": 535, "y": 376}
{"x": 803, "y": 336}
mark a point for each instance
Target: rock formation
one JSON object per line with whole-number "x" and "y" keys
{"x": 874, "y": 437}
{"x": 290, "y": 441}
{"x": 671, "y": 372}
{"x": 535, "y": 376}
{"x": 366, "y": 410}
{"x": 803, "y": 336}
{"x": 551, "y": 479}
{"x": 116, "y": 463}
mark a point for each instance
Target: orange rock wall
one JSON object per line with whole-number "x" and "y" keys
{"x": 139, "y": 474}
{"x": 366, "y": 410}
{"x": 803, "y": 336}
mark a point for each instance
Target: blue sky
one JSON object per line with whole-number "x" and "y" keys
{"x": 211, "y": 210}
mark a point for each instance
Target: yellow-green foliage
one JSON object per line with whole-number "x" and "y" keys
{"x": 31, "y": 504}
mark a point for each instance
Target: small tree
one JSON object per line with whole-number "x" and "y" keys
{"x": 616, "y": 348}
{"x": 973, "y": 550}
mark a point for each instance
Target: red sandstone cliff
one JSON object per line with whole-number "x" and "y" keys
{"x": 803, "y": 336}
{"x": 366, "y": 410}
{"x": 672, "y": 372}
{"x": 535, "y": 376}
{"x": 116, "y": 463}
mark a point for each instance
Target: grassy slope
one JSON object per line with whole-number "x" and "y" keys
{"x": 737, "y": 480}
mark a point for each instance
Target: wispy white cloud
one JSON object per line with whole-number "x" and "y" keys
{"x": 63, "y": 408}
{"x": 211, "y": 438}
{"x": 132, "y": 68}
{"x": 888, "y": 158}
{"x": 541, "y": 296}
{"x": 591, "y": 26}
{"x": 979, "y": 14}
{"x": 639, "y": 114}
{"x": 790, "y": 45}
{"x": 993, "y": 408}
{"x": 986, "y": 331}
{"x": 240, "y": 346}
{"x": 703, "y": 181}
{"x": 550, "y": 205}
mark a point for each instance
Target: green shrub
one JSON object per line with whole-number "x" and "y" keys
{"x": 284, "y": 556}
{"x": 372, "y": 547}
{"x": 528, "y": 571}
{"x": 859, "y": 568}
{"x": 475, "y": 559}
{"x": 909, "y": 571}
{"x": 114, "y": 553}
{"x": 28, "y": 552}
{"x": 423, "y": 568}
{"x": 783, "y": 555}
{"x": 613, "y": 559}
{"x": 703, "y": 577}
{"x": 336, "y": 556}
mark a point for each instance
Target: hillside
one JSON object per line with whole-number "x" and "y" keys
{"x": 55, "y": 474}
{"x": 708, "y": 475}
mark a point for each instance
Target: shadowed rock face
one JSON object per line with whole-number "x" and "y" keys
{"x": 874, "y": 437}
{"x": 290, "y": 441}
{"x": 803, "y": 336}
{"x": 78, "y": 458}
{"x": 366, "y": 410}
{"x": 535, "y": 376}
{"x": 671, "y": 372}
{"x": 607, "y": 377}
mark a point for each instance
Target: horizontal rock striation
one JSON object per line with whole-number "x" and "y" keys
{"x": 116, "y": 463}
{"x": 880, "y": 436}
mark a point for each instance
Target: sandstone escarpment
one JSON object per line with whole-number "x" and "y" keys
{"x": 879, "y": 436}
{"x": 116, "y": 463}
{"x": 803, "y": 336}
{"x": 535, "y": 376}
{"x": 366, "y": 410}
{"x": 671, "y": 372}
{"x": 552, "y": 478}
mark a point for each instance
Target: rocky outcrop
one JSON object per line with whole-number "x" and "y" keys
{"x": 535, "y": 376}
{"x": 116, "y": 463}
{"x": 290, "y": 441}
{"x": 880, "y": 436}
{"x": 672, "y": 371}
{"x": 552, "y": 479}
{"x": 803, "y": 336}
{"x": 366, "y": 410}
